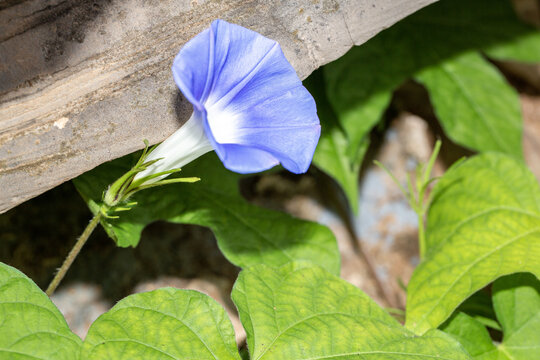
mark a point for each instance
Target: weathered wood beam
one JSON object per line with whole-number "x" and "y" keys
{"x": 83, "y": 82}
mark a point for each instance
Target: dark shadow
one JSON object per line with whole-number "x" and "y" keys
{"x": 182, "y": 107}
{"x": 36, "y": 43}
{"x": 4, "y": 4}
{"x": 71, "y": 23}
{"x": 37, "y": 235}
{"x": 515, "y": 281}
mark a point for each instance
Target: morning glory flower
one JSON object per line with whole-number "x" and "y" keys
{"x": 249, "y": 106}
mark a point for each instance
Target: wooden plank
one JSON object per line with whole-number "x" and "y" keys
{"x": 84, "y": 82}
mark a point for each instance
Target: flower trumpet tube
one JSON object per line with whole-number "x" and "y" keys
{"x": 249, "y": 106}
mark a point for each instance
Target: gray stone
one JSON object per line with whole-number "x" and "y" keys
{"x": 84, "y": 82}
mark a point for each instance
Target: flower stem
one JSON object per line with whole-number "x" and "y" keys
{"x": 73, "y": 253}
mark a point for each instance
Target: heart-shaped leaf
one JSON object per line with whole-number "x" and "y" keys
{"x": 484, "y": 222}
{"x": 299, "y": 311}
{"x": 246, "y": 234}
{"x": 162, "y": 324}
{"x": 31, "y": 327}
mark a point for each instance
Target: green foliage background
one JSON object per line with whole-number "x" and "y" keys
{"x": 442, "y": 47}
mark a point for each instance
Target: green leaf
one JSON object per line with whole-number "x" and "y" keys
{"x": 516, "y": 299}
{"x": 484, "y": 222}
{"x": 522, "y": 44}
{"x": 31, "y": 327}
{"x": 337, "y": 155}
{"x": 353, "y": 101}
{"x": 246, "y": 234}
{"x": 359, "y": 85}
{"x": 476, "y": 106}
{"x": 162, "y": 324}
{"x": 472, "y": 335}
{"x": 525, "y": 49}
{"x": 300, "y": 311}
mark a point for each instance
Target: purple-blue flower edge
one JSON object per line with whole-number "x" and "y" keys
{"x": 255, "y": 110}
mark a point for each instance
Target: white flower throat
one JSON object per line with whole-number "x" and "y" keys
{"x": 183, "y": 146}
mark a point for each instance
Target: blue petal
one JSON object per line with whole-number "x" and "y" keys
{"x": 192, "y": 68}
{"x": 257, "y": 111}
{"x": 235, "y": 159}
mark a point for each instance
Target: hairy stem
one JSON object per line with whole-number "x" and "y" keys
{"x": 73, "y": 253}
